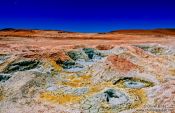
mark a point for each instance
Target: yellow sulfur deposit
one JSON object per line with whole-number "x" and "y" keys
{"x": 78, "y": 81}
{"x": 59, "y": 98}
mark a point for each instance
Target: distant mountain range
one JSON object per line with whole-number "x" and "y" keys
{"x": 146, "y": 32}
{"x": 57, "y": 33}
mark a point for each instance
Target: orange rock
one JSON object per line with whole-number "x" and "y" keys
{"x": 121, "y": 64}
{"x": 60, "y": 55}
{"x": 104, "y": 47}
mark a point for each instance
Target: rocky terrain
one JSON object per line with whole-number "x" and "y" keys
{"x": 66, "y": 72}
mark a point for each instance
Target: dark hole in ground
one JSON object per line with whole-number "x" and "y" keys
{"x": 22, "y": 66}
{"x": 130, "y": 82}
{"x": 66, "y": 64}
{"x": 75, "y": 55}
{"x": 110, "y": 93}
{"x": 122, "y": 79}
{"x": 4, "y": 78}
{"x": 91, "y": 53}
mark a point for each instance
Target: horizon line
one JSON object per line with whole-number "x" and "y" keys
{"x": 42, "y": 29}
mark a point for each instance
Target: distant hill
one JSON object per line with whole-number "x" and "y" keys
{"x": 10, "y": 32}
{"x": 30, "y": 32}
{"x": 27, "y": 30}
{"x": 146, "y": 32}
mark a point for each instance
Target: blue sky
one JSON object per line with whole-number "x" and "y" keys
{"x": 87, "y": 15}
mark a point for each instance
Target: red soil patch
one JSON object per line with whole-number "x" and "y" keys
{"x": 60, "y": 55}
{"x": 138, "y": 51}
{"x": 104, "y": 47}
{"x": 121, "y": 64}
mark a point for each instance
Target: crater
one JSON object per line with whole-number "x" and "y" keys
{"x": 70, "y": 65}
{"x": 153, "y": 49}
{"x": 129, "y": 82}
{"x": 115, "y": 97}
{"x": 77, "y": 55}
{"x": 22, "y": 65}
{"x": 109, "y": 100}
{"x": 92, "y": 53}
{"x": 79, "y": 59}
{"x": 4, "y": 77}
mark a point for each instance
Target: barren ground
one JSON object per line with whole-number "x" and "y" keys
{"x": 65, "y": 72}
